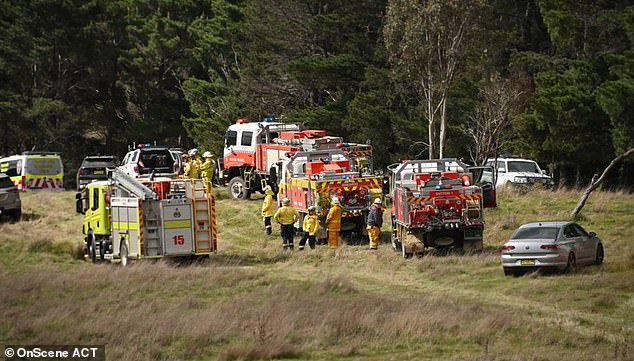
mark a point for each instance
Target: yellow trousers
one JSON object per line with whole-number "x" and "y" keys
{"x": 374, "y": 232}
{"x": 333, "y": 239}
{"x": 207, "y": 183}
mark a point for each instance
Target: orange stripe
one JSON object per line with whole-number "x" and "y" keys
{"x": 213, "y": 223}
{"x": 141, "y": 236}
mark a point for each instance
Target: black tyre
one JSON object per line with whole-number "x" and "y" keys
{"x": 92, "y": 247}
{"x": 123, "y": 253}
{"x": 16, "y": 216}
{"x": 237, "y": 189}
{"x": 600, "y": 255}
{"x": 572, "y": 263}
{"x": 509, "y": 272}
{"x": 102, "y": 250}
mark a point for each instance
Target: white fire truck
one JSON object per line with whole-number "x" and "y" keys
{"x": 439, "y": 203}
{"x": 312, "y": 178}
{"x": 133, "y": 218}
{"x": 253, "y": 153}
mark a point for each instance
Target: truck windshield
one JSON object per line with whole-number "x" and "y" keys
{"x": 522, "y": 166}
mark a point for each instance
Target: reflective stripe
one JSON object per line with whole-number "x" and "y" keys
{"x": 125, "y": 225}
{"x": 184, "y": 223}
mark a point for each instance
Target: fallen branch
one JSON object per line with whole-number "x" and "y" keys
{"x": 597, "y": 182}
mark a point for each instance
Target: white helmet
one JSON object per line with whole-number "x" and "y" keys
{"x": 378, "y": 201}
{"x": 268, "y": 188}
{"x": 335, "y": 200}
{"x": 207, "y": 154}
{"x": 193, "y": 151}
{"x": 286, "y": 201}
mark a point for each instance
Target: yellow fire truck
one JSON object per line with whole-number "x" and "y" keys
{"x": 127, "y": 218}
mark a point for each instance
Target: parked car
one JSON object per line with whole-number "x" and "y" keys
{"x": 94, "y": 168}
{"x": 558, "y": 245}
{"x": 518, "y": 171}
{"x": 10, "y": 203}
{"x": 146, "y": 160}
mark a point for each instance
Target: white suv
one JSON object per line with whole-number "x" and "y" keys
{"x": 144, "y": 161}
{"x": 518, "y": 171}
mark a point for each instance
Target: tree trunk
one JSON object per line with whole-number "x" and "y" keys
{"x": 443, "y": 131}
{"x": 597, "y": 181}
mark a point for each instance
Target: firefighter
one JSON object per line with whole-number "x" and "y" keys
{"x": 310, "y": 226}
{"x": 375, "y": 221}
{"x": 195, "y": 163}
{"x": 207, "y": 170}
{"x": 186, "y": 166}
{"x": 286, "y": 216}
{"x": 267, "y": 209}
{"x": 333, "y": 223}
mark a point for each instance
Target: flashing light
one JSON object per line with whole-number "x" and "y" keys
{"x": 269, "y": 119}
{"x": 439, "y": 187}
{"x": 508, "y": 247}
{"x": 242, "y": 121}
{"x": 448, "y": 186}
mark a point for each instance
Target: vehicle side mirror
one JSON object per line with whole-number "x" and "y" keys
{"x": 592, "y": 234}
{"x": 79, "y": 207}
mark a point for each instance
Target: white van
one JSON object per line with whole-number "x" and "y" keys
{"x": 34, "y": 170}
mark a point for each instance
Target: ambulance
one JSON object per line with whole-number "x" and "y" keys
{"x": 34, "y": 171}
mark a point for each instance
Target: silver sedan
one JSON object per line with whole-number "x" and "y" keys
{"x": 558, "y": 245}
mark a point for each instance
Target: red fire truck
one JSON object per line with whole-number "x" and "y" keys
{"x": 253, "y": 153}
{"x": 312, "y": 178}
{"x": 439, "y": 203}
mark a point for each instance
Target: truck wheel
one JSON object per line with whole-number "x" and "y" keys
{"x": 123, "y": 253}
{"x": 92, "y": 251}
{"x": 237, "y": 189}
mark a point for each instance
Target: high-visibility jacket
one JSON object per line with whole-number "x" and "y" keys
{"x": 333, "y": 220}
{"x": 207, "y": 170}
{"x": 286, "y": 215}
{"x": 311, "y": 224}
{"x": 187, "y": 171}
{"x": 267, "y": 205}
{"x": 194, "y": 169}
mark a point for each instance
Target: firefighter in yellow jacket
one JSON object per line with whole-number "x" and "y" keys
{"x": 333, "y": 223}
{"x": 194, "y": 164}
{"x": 286, "y": 216}
{"x": 267, "y": 209}
{"x": 207, "y": 170}
{"x": 310, "y": 227}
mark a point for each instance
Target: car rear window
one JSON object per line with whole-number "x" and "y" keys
{"x": 536, "y": 233}
{"x": 98, "y": 164}
{"x": 5, "y": 182}
{"x": 160, "y": 160}
{"x": 44, "y": 166}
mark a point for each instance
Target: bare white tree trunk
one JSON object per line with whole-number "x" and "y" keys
{"x": 597, "y": 181}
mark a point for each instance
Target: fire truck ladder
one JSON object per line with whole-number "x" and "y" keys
{"x": 203, "y": 226}
{"x": 132, "y": 185}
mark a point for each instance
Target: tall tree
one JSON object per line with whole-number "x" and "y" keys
{"x": 425, "y": 41}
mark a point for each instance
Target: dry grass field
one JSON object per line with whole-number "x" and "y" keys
{"x": 252, "y": 301}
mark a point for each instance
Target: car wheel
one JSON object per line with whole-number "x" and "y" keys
{"x": 572, "y": 263}
{"x": 123, "y": 253}
{"x": 237, "y": 190}
{"x": 509, "y": 272}
{"x": 600, "y": 255}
